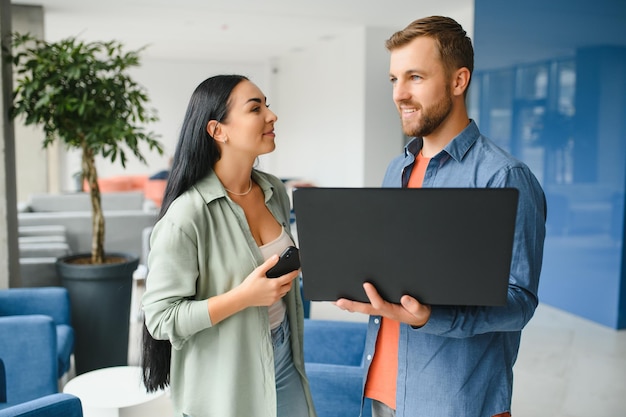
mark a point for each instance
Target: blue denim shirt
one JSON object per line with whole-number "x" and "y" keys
{"x": 460, "y": 363}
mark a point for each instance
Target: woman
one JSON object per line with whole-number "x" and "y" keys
{"x": 236, "y": 334}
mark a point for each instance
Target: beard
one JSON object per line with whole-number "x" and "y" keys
{"x": 432, "y": 117}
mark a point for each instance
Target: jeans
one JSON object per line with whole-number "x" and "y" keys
{"x": 291, "y": 401}
{"x": 381, "y": 410}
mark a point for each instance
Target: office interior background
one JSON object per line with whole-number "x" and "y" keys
{"x": 549, "y": 86}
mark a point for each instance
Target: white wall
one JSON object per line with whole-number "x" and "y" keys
{"x": 383, "y": 132}
{"x": 319, "y": 102}
{"x": 337, "y": 125}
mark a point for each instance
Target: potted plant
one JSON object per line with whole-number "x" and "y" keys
{"x": 82, "y": 95}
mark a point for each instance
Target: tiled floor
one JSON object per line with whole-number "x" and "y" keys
{"x": 570, "y": 367}
{"x": 567, "y": 366}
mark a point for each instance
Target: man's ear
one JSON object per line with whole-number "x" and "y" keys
{"x": 460, "y": 82}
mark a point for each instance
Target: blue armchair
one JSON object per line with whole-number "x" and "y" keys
{"x": 37, "y": 341}
{"x": 333, "y": 356}
{"x": 49, "y": 301}
{"x": 53, "y": 405}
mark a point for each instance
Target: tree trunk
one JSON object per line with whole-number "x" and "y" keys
{"x": 97, "y": 216}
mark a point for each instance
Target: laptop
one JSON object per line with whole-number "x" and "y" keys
{"x": 443, "y": 246}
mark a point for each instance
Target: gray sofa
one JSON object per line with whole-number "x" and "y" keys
{"x": 55, "y": 225}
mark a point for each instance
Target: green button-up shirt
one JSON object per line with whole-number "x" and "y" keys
{"x": 203, "y": 247}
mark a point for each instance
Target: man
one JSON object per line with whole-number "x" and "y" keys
{"x": 446, "y": 361}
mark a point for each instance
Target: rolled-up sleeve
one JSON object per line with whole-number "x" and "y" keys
{"x": 171, "y": 312}
{"x": 525, "y": 270}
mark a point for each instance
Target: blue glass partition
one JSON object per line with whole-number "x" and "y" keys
{"x": 553, "y": 93}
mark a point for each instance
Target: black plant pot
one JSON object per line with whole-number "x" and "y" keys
{"x": 100, "y": 298}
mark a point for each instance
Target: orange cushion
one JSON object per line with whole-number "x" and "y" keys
{"x": 138, "y": 181}
{"x": 120, "y": 183}
{"x": 154, "y": 190}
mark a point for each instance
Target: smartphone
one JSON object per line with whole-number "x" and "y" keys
{"x": 289, "y": 261}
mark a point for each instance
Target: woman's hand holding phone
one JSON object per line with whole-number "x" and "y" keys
{"x": 289, "y": 261}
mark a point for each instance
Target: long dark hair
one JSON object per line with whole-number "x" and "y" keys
{"x": 196, "y": 154}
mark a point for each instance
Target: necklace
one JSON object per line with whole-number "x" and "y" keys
{"x": 241, "y": 194}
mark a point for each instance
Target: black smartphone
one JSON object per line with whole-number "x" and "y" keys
{"x": 289, "y": 261}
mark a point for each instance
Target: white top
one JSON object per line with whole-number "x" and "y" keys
{"x": 277, "y": 246}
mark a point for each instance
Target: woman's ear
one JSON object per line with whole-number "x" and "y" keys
{"x": 213, "y": 129}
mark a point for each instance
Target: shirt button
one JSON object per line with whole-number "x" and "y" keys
{"x": 376, "y": 321}
{"x": 369, "y": 357}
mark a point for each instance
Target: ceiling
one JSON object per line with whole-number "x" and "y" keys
{"x": 259, "y": 30}
{"x": 232, "y": 30}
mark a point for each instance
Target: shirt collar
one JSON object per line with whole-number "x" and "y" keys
{"x": 210, "y": 187}
{"x": 458, "y": 146}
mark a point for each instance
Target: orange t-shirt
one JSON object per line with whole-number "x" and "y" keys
{"x": 383, "y": 372}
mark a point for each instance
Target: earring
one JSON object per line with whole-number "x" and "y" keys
{"x": 225, "y": 140}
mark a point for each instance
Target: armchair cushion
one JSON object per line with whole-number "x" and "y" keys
{"x": 3, "y": 383}
{"x": 333, "y": 356}
{"x": 336, "y": 390}
{"x": 334, "y": 342}
{"x": 82, "y": 201}
{"x": 53, "y": 405}
{"x": 49, "y": 301}
{"x": 29, "y": 356}
{"x": 65, "y": 347}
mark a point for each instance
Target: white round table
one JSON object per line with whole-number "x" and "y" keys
{"x": 118, "y": 392}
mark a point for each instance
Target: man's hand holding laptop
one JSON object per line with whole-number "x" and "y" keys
{"x": 409, "y": 311}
